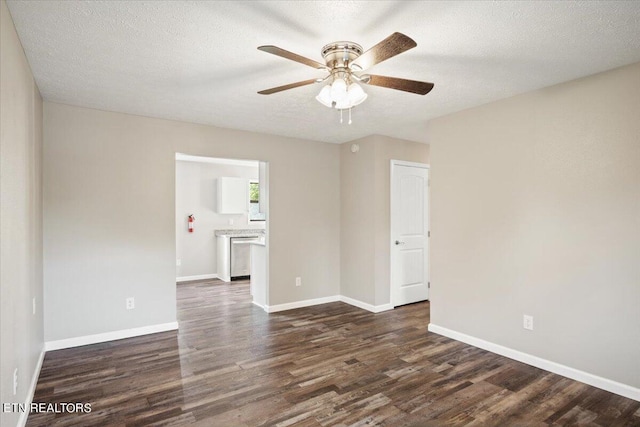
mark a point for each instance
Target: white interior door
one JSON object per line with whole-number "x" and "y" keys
{"x": 409, "y": 232}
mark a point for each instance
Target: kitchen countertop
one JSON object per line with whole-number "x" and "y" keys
{"x": 240, "y": 232}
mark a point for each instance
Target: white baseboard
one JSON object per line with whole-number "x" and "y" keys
{"x": 566, "y": 371}
{"x": 300, "y": 304}
{"x": 366, "y": 306}
{"x": 325, "y": 300}
{"x": 264, "y": 307}
{"x": 198, "y": 277}
{"x": 22, "y": 421}
{"x": 109, "y": 336}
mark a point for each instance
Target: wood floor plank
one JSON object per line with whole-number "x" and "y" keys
{"x": 232, "y": 364}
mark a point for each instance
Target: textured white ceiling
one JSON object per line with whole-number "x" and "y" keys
{"x": 197, "y": 61}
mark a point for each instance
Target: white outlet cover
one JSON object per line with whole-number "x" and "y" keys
{"x": 527, "y": 322}
{"x": 178, "y": 262}
{"x": 130, "y": 303}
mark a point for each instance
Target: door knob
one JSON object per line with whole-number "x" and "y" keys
{"x": 398, "y": 242}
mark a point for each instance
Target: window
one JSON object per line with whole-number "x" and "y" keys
{"x": 254, "y": 202}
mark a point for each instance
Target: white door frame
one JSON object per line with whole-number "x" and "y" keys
{"x": 392, "y": 255}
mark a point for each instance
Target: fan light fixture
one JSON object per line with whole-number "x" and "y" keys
{"x": 341, "y": 97}
{"x": 344, "y": 63}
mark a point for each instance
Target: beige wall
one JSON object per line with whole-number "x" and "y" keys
{"x": 365, "y": 214}
{"x": 357, "y": 221}
{"x": 536, "y": 210}
{"x": 109, "y": 225}
{"x": 20, "y": 218}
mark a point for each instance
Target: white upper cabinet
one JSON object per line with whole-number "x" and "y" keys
{"x": 232, "y": 195}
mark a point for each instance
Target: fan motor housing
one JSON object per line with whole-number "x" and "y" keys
{"x": 340, "y": 54}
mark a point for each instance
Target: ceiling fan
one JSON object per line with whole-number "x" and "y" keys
{"x": 345, "y": 63}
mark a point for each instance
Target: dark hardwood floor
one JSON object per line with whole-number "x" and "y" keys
{"x": 232, "y": 364}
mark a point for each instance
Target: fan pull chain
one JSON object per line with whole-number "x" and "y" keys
{"x": 349, "y": 115}
{"x": 340, "y": 116}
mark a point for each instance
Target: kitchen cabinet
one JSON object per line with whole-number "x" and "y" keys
{"x": 232, "y": 195}
{"x": 233, "y": 252}
{"x": 259, "y": 274}
{"x": 224, "y": 258}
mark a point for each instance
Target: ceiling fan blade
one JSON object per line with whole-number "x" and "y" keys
{"x": 413, "y": 86}
{"x": 393, "y": 45}
{"x": 274, "y": 50}
{"x": 286, "y": 87}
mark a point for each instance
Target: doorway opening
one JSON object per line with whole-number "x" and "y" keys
{"x": 222, "y": 222}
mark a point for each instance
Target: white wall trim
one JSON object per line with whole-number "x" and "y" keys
{"x": 411, "y": 164}
{"x": 300, "y": 304}
{"x": 109, "y": 336}
{"x": 566, "y": 371}
{"x": 217, "y": 160}
{"x": 22, "y": 421}
{"x": 366, "y": 306}
{"x": 264, "y": 307}
{"x": 325, "y": 300}
{"x": 198, "y": 277}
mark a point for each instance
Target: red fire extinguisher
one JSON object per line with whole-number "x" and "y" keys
{"x": 191, "y": 219}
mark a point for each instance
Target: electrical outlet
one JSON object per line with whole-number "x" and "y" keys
{"x": 33, "y": 305}
{"x": 15, "y": 381}
{"x": 131, "y": 303}
{"x": 298, "y": 281}
{"x": 231, "y": 221}
{"x": 527, "y": 322}
{"x": 178, "y": 262}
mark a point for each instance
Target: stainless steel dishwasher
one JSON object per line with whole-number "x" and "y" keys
{"x": 241, "y": 256}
